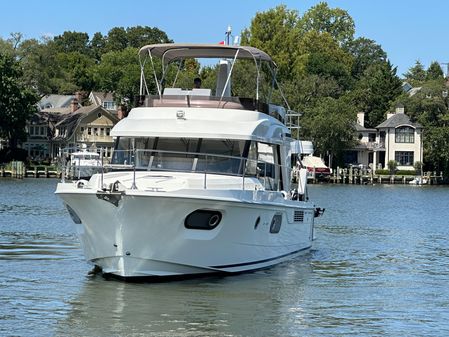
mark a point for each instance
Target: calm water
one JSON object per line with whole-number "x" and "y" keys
{"x": 379, "y": 267}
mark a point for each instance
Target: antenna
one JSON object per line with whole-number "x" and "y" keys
{"x": 228, "y": 34}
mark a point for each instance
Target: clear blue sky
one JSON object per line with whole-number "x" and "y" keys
{"x": 408, "y": 30}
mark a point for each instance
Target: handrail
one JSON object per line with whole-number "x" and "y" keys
{"x": 207, "y": 163}
{"x": 269, "y": 174}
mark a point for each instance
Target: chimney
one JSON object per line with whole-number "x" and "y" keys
{"x": 79, "y": 96}
{"x": 361, "y": 118}
{"x": 74, "y": 105}
{"x": 122, "y": 111}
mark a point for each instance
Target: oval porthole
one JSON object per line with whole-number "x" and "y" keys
{"x": 257, "y": 222}
{"x": 203, "y": 219}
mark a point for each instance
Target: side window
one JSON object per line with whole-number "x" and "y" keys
{"x": 267, "y": 170}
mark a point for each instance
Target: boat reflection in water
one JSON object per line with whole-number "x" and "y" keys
{"x": 200, "y": 179}
{"x": 212, "y": 306}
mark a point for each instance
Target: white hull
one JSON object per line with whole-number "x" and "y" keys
{"x": 143, "y": 233}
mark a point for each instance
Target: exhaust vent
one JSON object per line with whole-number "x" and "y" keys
{"x": 298, "y": 216}
{"x": 203, "y": 219}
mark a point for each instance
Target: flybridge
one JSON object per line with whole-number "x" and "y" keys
{"x": 224, "y": 95}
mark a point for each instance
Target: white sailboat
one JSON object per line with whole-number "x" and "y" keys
{"x": 199, "y": 181}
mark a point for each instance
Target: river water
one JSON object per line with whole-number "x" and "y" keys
{"x": 379, "y": 267}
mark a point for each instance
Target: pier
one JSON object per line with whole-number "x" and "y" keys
{"x": 365, "y": 177}
{"x": 18, "y": 170}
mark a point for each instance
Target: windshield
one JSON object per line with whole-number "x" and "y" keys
{"x": 220, "y": 156}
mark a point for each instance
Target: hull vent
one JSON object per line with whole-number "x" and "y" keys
{"x": 298, "y": 216}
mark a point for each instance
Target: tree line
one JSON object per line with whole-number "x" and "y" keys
{"x": 326, "y": 73}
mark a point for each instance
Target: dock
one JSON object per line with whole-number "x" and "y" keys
{"x": 365, "y": 177}
{"x": 18, "y": 170}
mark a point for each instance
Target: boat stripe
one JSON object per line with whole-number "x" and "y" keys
{"x": 259, "y": 261}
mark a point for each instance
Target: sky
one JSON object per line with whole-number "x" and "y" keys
{"x": 407, "y": 30}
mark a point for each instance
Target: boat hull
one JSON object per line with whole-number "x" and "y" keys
{"x": 144, "y": 234}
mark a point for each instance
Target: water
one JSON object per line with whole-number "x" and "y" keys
{"x": 379, "y": 267}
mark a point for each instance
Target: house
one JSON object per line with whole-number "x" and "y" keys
{"x": 56, "y": 101}
{"x": 402, "y": 140}
{"x": 40, "y": 128}
{"x": 104, "y": 99}
{"x": 39, "y": 131}
{"x": 397, "y": 138}
{"x": 90, "y": 125}
{"x": 363, "y": 152}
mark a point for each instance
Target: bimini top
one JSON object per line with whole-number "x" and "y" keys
{"x": 170, "y": 52}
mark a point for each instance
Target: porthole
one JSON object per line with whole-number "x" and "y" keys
{"x": 257, "y": 222}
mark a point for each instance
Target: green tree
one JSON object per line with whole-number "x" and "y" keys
{"x": 434, "y": 72}
{"x": 77, "y": 70}
{"x": 70, "y": 42}
{"x": 274, "y": 31}
{"x": 97, "y": 46}
{"x": 365, "y": 52}
{"x": 376, "y": 91}
{"x": 116, "y": 40}
{"x": 140, "y": 36}
{"x": 416, "y": 74}
{"x": 334, "y": 21}
{"x": 17, "y": 102}
{"x": 330, "y": 126}
{"x": 321, "y": 55}
{"x": 119, "y": 72}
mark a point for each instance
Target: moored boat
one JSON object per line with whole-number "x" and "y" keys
{"x": 199, "y": 180}
{"x": 83, "y": 164}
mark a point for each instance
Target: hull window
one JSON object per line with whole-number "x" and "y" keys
{"x": 275, "y": 226}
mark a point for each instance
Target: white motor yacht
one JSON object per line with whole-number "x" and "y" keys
{"x": 199, "y": 180}
{"x": 83, "y": 164}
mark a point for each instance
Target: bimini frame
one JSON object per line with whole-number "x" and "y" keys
{"x": 171, "y": 52}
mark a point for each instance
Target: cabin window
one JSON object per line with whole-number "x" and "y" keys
{"x": 262, "y": 160}
{"x": 184, "y": 154}
{"x": 405, "y": 134}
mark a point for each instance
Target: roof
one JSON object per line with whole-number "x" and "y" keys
{"x": 200, "y": 123}
{"x": 55, "y": 101}
{"x": 100, "y": 97}
{"x": 170, "y": 52}
{"x": 360, "y": 128}
{"x": 71, "y": 120}
{"x": 398, "y": 119}
{"x": 62, "y": 111}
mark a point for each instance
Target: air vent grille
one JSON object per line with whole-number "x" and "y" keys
{"x": 298, "y": 216}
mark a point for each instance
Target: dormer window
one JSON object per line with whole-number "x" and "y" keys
{"x": 108, "y": 105}
{"x": 405, "y": 134}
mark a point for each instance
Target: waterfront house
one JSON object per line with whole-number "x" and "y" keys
{"x": 87, "y": 126}
{"x": 104, "y": 99}
{"x": 397, "y": 138}
{"x": 401, "y": 139}
{"x": 41, "y": 126}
